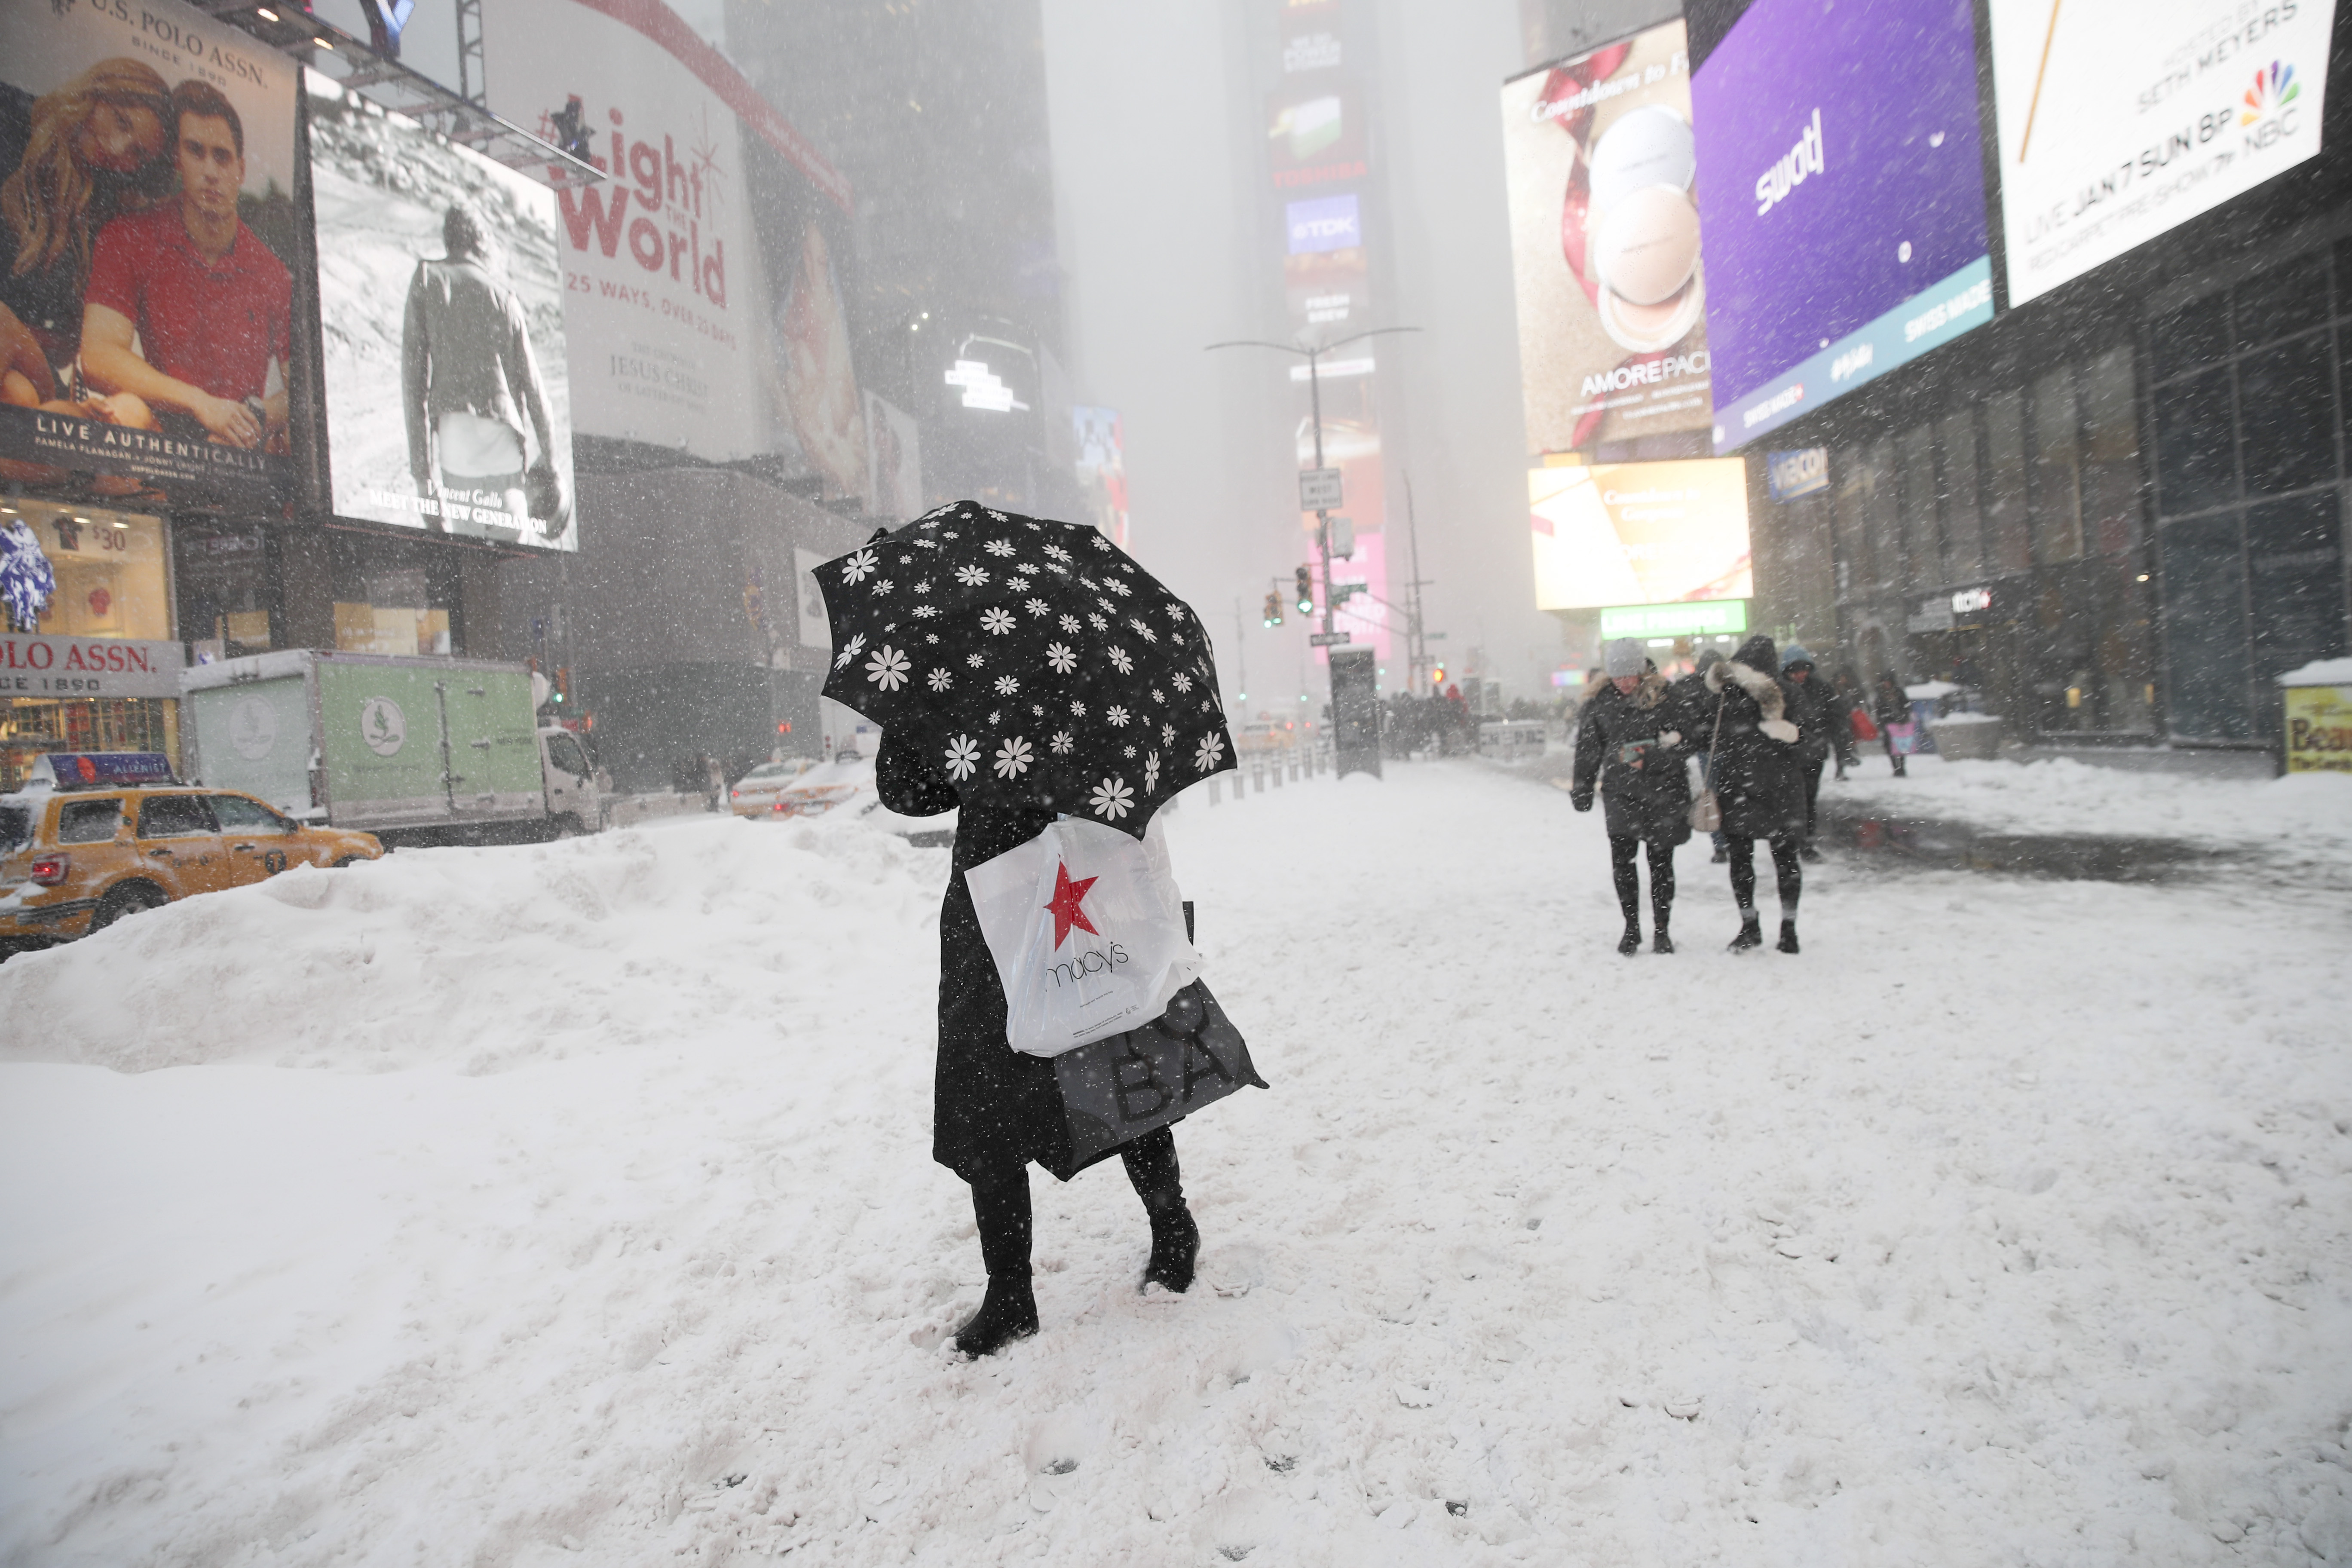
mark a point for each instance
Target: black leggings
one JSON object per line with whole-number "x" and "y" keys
{"x": 1629, "y": 886}
{"x": 1000, "y": 1199}
{"x": 1787, "y": 870}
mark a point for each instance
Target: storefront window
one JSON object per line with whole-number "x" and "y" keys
{"x": 1849, "y": 482}
{"x": 1963, "y": 534}
{"x": 2008, "y": 546}
{"x": 2286, "y": 416}
{"x": 2111, "y": 467}
{"x": 2057, "y": 493}
{"x": 392, "y": 596}
{"x": 110, "y": 571}
{"x": 1923, "y": 554}
{"x": 1878, "y": 513}
{"x": 2294, "y": 560}
{"x": 2196, "y": 467}
{"x": 223, "y": 588}
{"x": 2205, "y": 629}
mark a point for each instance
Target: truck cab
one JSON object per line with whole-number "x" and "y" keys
{"x": 574, "y": 804}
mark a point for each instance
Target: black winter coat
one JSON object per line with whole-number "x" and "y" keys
{"x": 1757, "y": 770}
{"x": 1644, "y": 784}
{"x": 991, "y": 1106}
{"x": 1818, "y": 710}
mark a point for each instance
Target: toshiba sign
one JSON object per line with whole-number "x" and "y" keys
{"x": 88, "y": 667}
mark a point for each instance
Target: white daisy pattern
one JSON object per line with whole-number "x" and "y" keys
{"x": 1062, "y": 743}
{"x": 925, "y": 612}
{"x": 1151, "y": 772}
{"x": 1077, "y": 710}
{"x": 975, "y": 660}
{"x": 1096, "y": 622}
{"x": 995, "y": 716}
{"x": 940, "y": 679}
{"x": 1181, "y": 682}
{"x": 1121, "y": 660}
{"x": 999, "y": 547}
{"x": 882, "y": 585}
{"x": 1112, "y": 799}
{"x": 855, "y": 570}
{"x": 1036, "y": 606}
{"x": 1128, "y": 752}
{"x": 971, "y": 576}
{"x": 1060, "y": 658}
{"x": 1057, "y": 552}
{"x": 1037, "y": 709}
{"x": 1115, "y": 586}
{"x": 1017, "y": 585}
{"x": 1006, "y": 686}
{"x": 849, "y": 650}
{"x": 997, "y": 620}
{"x": 888, "y": 667}
{"x": 964, "y": 757}
{"x": 1115, "y": 716}
{"x": 1069, "y": 624}
{"x": 1167, "y": 734}
{"x": 1212, "y": 751}
{"x": 1013, "y": 758}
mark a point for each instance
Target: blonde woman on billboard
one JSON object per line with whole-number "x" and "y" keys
{"x": 96, "y": 147}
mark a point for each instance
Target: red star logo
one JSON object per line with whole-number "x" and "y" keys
{"x": 1069, "y": 905}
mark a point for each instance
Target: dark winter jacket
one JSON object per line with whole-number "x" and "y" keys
{"x": 1697, "y": 702}
{"x": 992, "y": 1107}
{"x": 1820, "y": 712}
{"x": 1889, "y": 703}
{"x": 1620, "y": 745}
{"x": 1757, "y": 772}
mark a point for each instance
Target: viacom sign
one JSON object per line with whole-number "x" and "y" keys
{"x": 2120, "y": 119}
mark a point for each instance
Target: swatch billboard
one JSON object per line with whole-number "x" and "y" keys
{"x": 2120, "y": 119}
{"x": 1841, "y": 188}
{"x": 1600, "y": 162}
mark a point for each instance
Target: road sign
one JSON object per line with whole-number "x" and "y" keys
{"x": 1328, "y": 639}
{"x": 1318, "y": 490}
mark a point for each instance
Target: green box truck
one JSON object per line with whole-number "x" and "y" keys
{"x": 415, "y": 751}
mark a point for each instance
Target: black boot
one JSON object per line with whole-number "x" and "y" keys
{"x": 1787, "y": 936}
{"x": 1751, "y": 934}
{"x": 999, "y": 1204}
{"x": 1661, "y": 941}
{"x": 1151, "y": 1168}
{"x": 1631, "y": 943}
{"x": 1719, "y": 856}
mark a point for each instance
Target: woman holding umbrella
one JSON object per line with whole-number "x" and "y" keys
{"x": 1020, "y": 668}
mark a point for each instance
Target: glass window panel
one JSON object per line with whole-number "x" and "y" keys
{"x": 2197, "y": 333}
{"x": 2111, "y": 470}
{"x": 2196, "y": 460}
{"x": 1922, "y": 551}
{"x": 2295, "y": 579}
{"x": 2291, "y": 297}
{"x": 1963, "y": 538}
{"x": 2286, "y": 415}
{"x": 1850, "y": 481}
{"x": 2008, "y": 546}
{"x": 173, "y": 816}
{"x": 2205, "y": 629}
{"x": 238, "y": 813}
{"x": 1878, "y": 513}
{"x": 2057, "y": 489}
{"x": 89, "y": 821}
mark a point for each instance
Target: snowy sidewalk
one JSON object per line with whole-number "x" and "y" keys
{"x": 571, "y": 1203}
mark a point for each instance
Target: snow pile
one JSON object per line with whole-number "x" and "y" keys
{"x": 2301, "y": 817}
{"x": 2320, "y": 672}
{"x": 2003, "y": 1225}
{"x": 486, "y": 959}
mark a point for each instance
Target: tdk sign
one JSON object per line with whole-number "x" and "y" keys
{"x": 1807, "y": 157}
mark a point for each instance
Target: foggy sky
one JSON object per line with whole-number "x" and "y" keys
{"x": 1157, "y": 167}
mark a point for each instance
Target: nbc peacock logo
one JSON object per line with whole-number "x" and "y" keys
{"x": 2273, "y": 90}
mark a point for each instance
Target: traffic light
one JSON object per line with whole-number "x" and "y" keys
{"x": 1273, "y": 609}
{"x": 1437, "y": 679}
{"x": 1306, "y": 591}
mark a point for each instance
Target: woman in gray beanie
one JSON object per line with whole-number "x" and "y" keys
{"x": 1631, "y": 743}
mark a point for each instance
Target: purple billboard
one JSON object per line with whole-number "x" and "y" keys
{"x": 1840, "y": 190}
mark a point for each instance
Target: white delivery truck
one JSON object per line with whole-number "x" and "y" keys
{"x": 413, "y": 750}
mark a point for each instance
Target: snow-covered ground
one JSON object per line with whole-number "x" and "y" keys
{"x": 2303, "y": 816}
{"x": 573, "y": 1203}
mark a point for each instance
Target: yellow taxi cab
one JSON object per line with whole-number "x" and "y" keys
{"x": 93, "y": 836}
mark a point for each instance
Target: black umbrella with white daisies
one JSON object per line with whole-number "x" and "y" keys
{"x": 1035, "y": 661}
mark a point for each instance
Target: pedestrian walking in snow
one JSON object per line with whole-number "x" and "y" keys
{"x": 1630, "y": 744}
{"x": 1759, "y": 783}
{"x": 1845, "y": 701}
{"x": 1892, "y": 706}
{"x": 1010, "y": 685}
{"x": 1821, "y": 732}
{"x": 1691, "y": 691}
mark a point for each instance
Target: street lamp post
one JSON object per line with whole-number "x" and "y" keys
{"x": 1313, "y": 354}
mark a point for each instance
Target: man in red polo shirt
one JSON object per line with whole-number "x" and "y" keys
{"x": 206, "y": 304}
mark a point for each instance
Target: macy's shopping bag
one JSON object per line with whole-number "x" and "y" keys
{"x": 1087, "y": 932}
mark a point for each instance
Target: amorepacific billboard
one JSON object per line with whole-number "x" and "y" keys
{"x": 1840, "y": 189}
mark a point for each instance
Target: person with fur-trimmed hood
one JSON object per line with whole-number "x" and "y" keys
{"x": 1758, "y": 777}
{"x": 1632, "y": 741}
